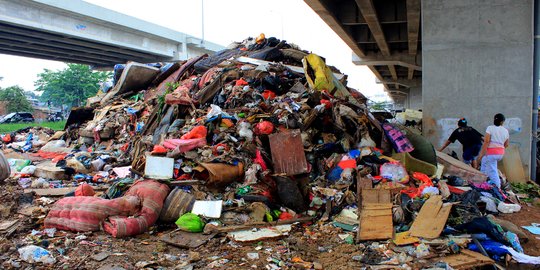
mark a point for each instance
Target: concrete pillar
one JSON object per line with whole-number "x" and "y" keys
{"x": 476, "y": 62}
{"x": 415, "y": 98}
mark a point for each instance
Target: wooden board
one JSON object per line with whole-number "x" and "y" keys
{"x": 288, "y": 153}
{"x": 432, "y": 217}
{"x": 48, "y": 170}
{"x": 56, "y": 192}
{"x": 7, "y": 224}
{"x": 186, "y": 239}
{"x": 375, "y": 215}
{"x": 455, "y": 167}
{"x": 512, "y": 165}
{"x": 467, "y": 259}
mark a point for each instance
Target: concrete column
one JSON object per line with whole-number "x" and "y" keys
{"x": 415, "y": 98}
{"x": 476, "y": 62}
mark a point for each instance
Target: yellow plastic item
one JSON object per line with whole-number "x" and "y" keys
{"x": 318, "y": 75}
{"x": 260, "y": 38}
{"x": 415, "y": 165}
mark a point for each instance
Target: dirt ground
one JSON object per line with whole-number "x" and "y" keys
{"x": 309, "y": 246}
{"x": 527, "y": 215}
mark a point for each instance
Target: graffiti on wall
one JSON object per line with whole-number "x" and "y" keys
{"x": 446, "y": 127}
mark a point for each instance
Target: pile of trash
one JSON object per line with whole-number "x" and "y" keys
{"x": 249, "y": 143}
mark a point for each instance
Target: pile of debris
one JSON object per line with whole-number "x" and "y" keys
{"x": 250, "y": 142}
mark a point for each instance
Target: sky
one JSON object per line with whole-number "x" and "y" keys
{"x": 224, "y": 23}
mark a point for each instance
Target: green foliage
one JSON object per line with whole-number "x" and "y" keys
{"x": 70, "y": 86}
{"x": 16, "y": 100}
{"x": 532, "y": 190}
{"x": 377, "y": 106}
{"x": 6, "y": 128}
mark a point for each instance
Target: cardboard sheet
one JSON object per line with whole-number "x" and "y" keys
{"x": 432, "y": 217}
{"x": 375, "y": 215}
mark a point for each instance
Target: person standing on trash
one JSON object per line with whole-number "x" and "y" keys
{"x": 471, "y": 140}
{"x": 495, "y": 141}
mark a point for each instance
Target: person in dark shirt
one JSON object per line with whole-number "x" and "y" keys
{"x": 471, "y": 140}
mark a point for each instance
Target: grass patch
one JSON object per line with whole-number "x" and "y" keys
{"x": 6, "y": 128}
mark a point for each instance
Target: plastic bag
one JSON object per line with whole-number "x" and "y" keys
{"x": 245, "y": 131}
{"x": 214, "y": 111}
{"x": 264, "y": 127}
{"x": 18, "y": 164}
{"x": 508, "y": 208}
{"x": 32, "y": 254}
{"x": 30, "y": 169}
{"x": 195, "y": 133}
{"x": 395, "y": 172}
{"x": 190, "y": 222}
{"x": 54, "y": 146}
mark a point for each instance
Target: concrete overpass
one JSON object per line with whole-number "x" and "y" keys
{"x": 79, "y": 32}
{"x": 453, "y": 59}
{"x": 383, "y": 35}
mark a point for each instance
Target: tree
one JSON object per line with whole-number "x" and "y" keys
{"x": 15, "y": 99}
{"x": 71, "y": 86}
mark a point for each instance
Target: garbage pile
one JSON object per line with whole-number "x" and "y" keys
{"x": 252, "y": 142}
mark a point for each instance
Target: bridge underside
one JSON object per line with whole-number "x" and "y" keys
{"x": 79, "y": 32}
{"x": 383, "y": 35}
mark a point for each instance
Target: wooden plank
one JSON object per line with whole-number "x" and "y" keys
{"x": 375, "y": 196}
{"x": 513, "y": 167}
{"x": 431, "y": 219}
{"x": 370, "y": 15}
{"x": 55, "y": 192}
{"x": 467, "y": 259}
{"x": 376, "y": 224}
{"x": 375, "y": 214}
{"x": 455, "y": 167}
{"x": 288, "y": 153}
{"x": 183, "y": 239}
{"x": 49, "y": 171}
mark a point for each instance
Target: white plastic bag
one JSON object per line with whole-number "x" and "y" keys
{"x": 32, "y": 254}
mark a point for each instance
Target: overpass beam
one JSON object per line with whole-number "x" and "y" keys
{"x": 403, "y": 82}
{"x": 399, "y": 59}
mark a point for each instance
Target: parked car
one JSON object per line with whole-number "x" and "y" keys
{"x": 17, "y": 117}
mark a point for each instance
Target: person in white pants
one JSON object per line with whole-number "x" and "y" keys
{"x": 495, "y": 141}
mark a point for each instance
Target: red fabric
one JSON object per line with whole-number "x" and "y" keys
{"x": 267, "y": 94}
{"x": 327, "y": 104}
{"x": 415, "y": 192}
{"x": 285, "y": 216}
{"x": 195, "y": 133}
{"x": 152, "y": 195}
{"x": 181, "y": 94}
{"x": 455, "y": 190}
{"x": 84, "y": 190}
{"x": 158, "y": 149}
{"x": 264, "y": 127}
{"x": 184, "y": 145}
{"x": 349, "y": 163}
{"x": 49, "y": 155}
{"x": 82, "y": 214}
{"x": 241, "y": 82}
{"x": 259, "y": 160}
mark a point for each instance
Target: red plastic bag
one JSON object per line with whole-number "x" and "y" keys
{"x": 195, "y": 133}
{"x": 267, "y": 94}
{"x": 264, "y": 127}
{"x": 6, "y": 138}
